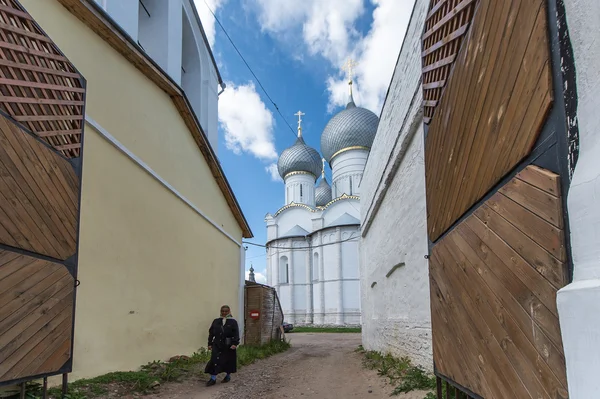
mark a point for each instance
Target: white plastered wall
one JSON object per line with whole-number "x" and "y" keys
{"x": 395, "y": 309}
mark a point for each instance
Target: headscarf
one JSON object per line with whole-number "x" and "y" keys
{"x": 228, "y": 316}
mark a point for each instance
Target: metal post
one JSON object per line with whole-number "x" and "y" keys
{"x": 45, "y": 388}
{"x": 23, "y": 387}
{"x": 65, "y": 382}
{"x": 438, "y": 383}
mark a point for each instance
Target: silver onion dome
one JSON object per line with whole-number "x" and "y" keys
{"x": 323, "y": 193}
{"x": 351, "y": 127}
{"x": 299, "y": 158}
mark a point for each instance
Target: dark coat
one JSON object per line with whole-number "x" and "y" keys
{"x": 223, "y": 359}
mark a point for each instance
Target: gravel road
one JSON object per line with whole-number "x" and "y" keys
{"x": 317, "y": 366}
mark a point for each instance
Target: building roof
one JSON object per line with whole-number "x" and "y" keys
{"x": 344, "y": 220}
{"x": 295, "y": 231}
{"x": 323, "y": 193}
{"x": 299, "y": 158}
{"x": 352, "y": 127}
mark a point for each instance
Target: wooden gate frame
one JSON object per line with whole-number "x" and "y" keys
{"x": 40, "y": 122}
{"x": 556, "y": 148}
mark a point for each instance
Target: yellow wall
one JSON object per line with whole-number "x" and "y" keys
{"x": 142, "y": 250}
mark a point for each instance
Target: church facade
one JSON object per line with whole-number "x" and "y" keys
{"x": 313, "y": 240}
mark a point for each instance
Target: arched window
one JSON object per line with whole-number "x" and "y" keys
{"x": 284, "y": 270}
{"x": 301, "y": 192}
{"x": 315, "y": 267}
{"x": 350, "y": 178}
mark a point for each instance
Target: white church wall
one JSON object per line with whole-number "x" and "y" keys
{"x": 329, "y": 253}
{"x": 291, "y": 217}
{"x": 395, "y": 311}
{"x": 300, "y": 189}
{"x": 579, "y": 302}
{"x": 337, "y": 209}
{"x": 300, "y": 262}
{"x": 350, "y": 252}
{"x": 347, "y": 170}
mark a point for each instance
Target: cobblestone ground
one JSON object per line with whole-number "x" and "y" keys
{"x": 317, "y": 366}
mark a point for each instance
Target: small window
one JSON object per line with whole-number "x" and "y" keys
{"x": 350, "y": 178}
{"x": 301, "y": 191}
{"x": 315, "y": 268}
{"x": 283, "y": 270}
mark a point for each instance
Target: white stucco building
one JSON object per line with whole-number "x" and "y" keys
{"x": 171, "y": 34}
{"x": 312, "y": 248}
{"x": 394, "y": 270}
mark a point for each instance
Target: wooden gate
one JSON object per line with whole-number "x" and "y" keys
{"x": 497, "y": 173}
{"x": 41, "y": 126}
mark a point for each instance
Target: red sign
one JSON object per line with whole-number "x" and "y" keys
{"x": 254, "y": 314}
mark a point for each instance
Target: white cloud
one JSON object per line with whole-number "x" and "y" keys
{"x": 328, "y": 29}
{"x": 327, "y": 26}
{"x": 246, "y": 121}
{"x": 259, "y": 277}
{"x": 274, "y": 173}
{"x": 208, "y": 21}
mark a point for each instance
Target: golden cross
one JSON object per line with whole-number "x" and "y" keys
{"x": 299, "y": 115}
{"x": 323, "y": 169}
{"x": 349, "y": 68}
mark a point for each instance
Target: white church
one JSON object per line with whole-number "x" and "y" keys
{"x": 313, "y": 240}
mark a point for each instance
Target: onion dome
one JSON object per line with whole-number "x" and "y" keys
{"x": 353, "y": 127}
{"x": 299, "y": 158}
{"x": 323, "y": 190}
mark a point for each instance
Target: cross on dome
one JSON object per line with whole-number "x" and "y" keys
{"x": 349, "y": 68}
{"x": 323, "y": 169}
{"x": 299, "y": 114}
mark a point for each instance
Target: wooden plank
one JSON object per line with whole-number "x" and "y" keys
{"x": 17, "y": 271}
{"x": 543, "y": 233}
{"x": 537, "y": 325}
{"x": 547, "y": 265}
{"x": 19, "y": 348}
{"x": 507, "y": 368}
{"x": 60, "y": 241}
{"x": 31, "y": 280}
{"x": 54, "y": 213}
{"x": 542, "y": 179}
{"x": 473, "y": 58}
{"x": 56, "y": 285}
{"x": 465, "y": 156}
{"x": 547, "y": 207}
{"x": 448, "y": 17}
{"x": 469, "y": 348}
{"x": 51, "y": 345}
{"x": 520, "y": 85}
{"x": 464, "y": 192}
{"x": 546, "y": 293}
{"x": 534, "y": 359}
{"x": 28, "y": 149}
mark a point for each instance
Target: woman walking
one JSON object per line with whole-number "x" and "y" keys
{"x": 223, "y": 339}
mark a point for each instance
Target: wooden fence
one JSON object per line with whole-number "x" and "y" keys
{"x": 42, "y": 100}
{"x": 267, "y": 327}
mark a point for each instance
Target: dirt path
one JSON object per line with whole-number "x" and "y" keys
{"x": 317, "y": 366}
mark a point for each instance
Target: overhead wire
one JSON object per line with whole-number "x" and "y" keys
{"x": 302, "y": 248}
{"x": 256, "y": 77}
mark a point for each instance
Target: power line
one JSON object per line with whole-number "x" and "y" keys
{"x": 255, "y": 77}
{"x": 303, "y": 248}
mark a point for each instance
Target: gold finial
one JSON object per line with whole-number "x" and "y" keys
{"x": 349, "y": 68}
{"x": 299, "y": 114}
{"x": 323, "y": 169}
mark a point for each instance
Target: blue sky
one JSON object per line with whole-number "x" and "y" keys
{"x": 296, "y": 48}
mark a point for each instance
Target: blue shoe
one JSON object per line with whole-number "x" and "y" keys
{"x": 226, "y": 379}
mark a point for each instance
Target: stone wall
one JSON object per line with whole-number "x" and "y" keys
{"x": 395, "y": 307}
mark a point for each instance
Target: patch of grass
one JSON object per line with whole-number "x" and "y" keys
{"x": 326, "y": 330}
{"x": 123, "y": 383}
{"x": 399, "y": 372}
{"x": 248, "y": 354}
